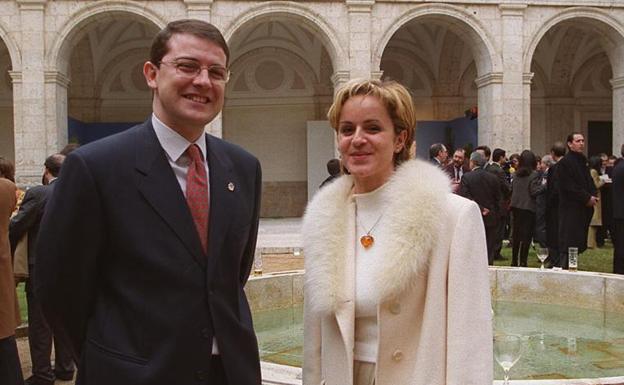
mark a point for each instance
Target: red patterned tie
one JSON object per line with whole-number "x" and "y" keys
{"x": 197, "y": 194}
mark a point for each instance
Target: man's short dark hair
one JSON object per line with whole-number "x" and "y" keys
{"x": 498, "y": 154}
{"x": 435, "y": 149}
{"x": 333, "y": 167}
{"x": 198, "y": 28}
{"x": 570, "y": 137}
{"x": 622, "y": 150}
{"x": 53, "y": 163}
{"x": 486, "y": 150}
{"x": 558, "y": 149}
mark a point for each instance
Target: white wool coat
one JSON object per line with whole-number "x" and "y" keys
{"x": 434, "y": 313}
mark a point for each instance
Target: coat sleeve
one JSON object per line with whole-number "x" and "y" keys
{"x": 71, "y": 237}
{"x": 26, "y": 216}
{"x": 464, "y": 189}
{"x": 250, "y": 247}
{"x": 536, "y": 187}
{"x": 469, "y": 313}
{"x": 312, "y": 344}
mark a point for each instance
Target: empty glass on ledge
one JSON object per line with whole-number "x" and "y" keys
{"x": 572, "y": 258}
{"x": 542, "y": 254}
{"x": 507, "y": 351}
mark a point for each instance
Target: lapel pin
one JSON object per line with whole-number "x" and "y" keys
{"x": 231, "y": 186}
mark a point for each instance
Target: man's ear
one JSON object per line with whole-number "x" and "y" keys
{"x": 150, "y": 71}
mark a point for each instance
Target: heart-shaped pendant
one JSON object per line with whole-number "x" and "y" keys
{"x": 367, "y": 240}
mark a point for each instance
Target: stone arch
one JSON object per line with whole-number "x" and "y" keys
{"x": 12, "y": 47}
{"x": 73, "y": 29}
{"x": 10, "y": 65}
{"x": 291, "y": 10}
{"x": 610, "y": 28}
{"x": 582, "y": 93}
{"x": 486, "y": 58}
{"x": 298, "y": 69}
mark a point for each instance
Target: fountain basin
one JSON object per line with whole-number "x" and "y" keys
{"x": 592, "y": 303}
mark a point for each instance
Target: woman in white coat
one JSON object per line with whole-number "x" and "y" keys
{"x": 397, "y": 289}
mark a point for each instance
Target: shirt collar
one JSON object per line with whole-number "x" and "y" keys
{"x": 173, "y": 143}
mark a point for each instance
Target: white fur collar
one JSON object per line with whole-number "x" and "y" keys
{"x": 414, "y": 205}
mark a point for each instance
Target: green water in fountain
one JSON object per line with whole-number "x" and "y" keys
{"x": 559, "y": 342}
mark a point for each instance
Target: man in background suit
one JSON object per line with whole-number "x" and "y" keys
{"x": 618, "y": 217}
{"x": 27, "y": 221}
{"x": 438, "y": 154}
{"x": 557, "y": 151}
{"x": 499, "y": 157}
{"x": 151, "y": 234}
{"x": 457, "y": 168}
{"x": 577, "y": 197}
{"x": 484, "y": 188}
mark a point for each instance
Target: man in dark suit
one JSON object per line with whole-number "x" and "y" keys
{"x": 577, "y": 198}
{"x": 151, "y": 234}
{"x": 499, "y": 158}
{"x": 457, "y": 168}
{"x": 27, "y": 222}
{"x": 618, "y": 217}
{"x": 557, "y": 152}
{"x": 438, "y": 154}
{"x": 484, "y": 188}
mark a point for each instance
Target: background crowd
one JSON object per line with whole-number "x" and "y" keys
{"x": 557, "y": 200}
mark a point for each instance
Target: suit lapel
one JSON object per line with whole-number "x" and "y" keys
{"x": 222, "y": 199}
{"x": 158, "y": 185}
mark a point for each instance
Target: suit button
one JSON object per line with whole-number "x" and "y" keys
{"x": 200, "y": 375}
{"x": 395, "y": 308}
{"x": 397, "y": 355}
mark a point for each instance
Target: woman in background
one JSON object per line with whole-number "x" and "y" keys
{"x": 397, "y": 288}
{"x": 526, "y": 186}
{"x": 595, "y": 162}
{"x": 10, "y": 369}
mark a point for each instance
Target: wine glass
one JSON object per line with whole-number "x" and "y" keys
{"x": 542, "y": 254}
{"x": 507, "y": 351}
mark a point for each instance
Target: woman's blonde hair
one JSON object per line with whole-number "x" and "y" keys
{"x": 394, "y": 96}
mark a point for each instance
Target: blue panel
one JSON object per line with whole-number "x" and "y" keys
{"x": 84, "y": 133}
{"x": 456, "y": 133}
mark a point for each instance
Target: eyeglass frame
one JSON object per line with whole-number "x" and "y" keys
{"x": 175, "y": 65}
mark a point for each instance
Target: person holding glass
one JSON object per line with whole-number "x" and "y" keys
{"x": 396, "y": 288}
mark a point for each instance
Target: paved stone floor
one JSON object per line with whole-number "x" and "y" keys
{"x": 279, "y": 240}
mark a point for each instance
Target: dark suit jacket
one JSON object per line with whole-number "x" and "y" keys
{"x": 575, "y": 186}
{"x": 484, "y": 188}
{"x": 618, "y": 191}
{"x": 449, "y": 169}
{"x": 125, "y": 278}
{"x": 552, "y": 208}
{"x": 505, "y": 186}
{"x": 28, "y": 218}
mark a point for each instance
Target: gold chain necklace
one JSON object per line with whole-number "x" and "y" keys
{"x": 367, "y": 240}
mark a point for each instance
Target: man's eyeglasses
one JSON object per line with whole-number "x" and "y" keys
{"x": 190, "y": 69}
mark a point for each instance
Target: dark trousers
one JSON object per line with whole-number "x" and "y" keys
{"x": 491, "y": 238}
{"x": 500, "y": 235}
{"x": 523, "y": 227}
{"x": 618, "y": 245}
{"x": 10, "y": 368}
{"x": 40, "y": 341}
